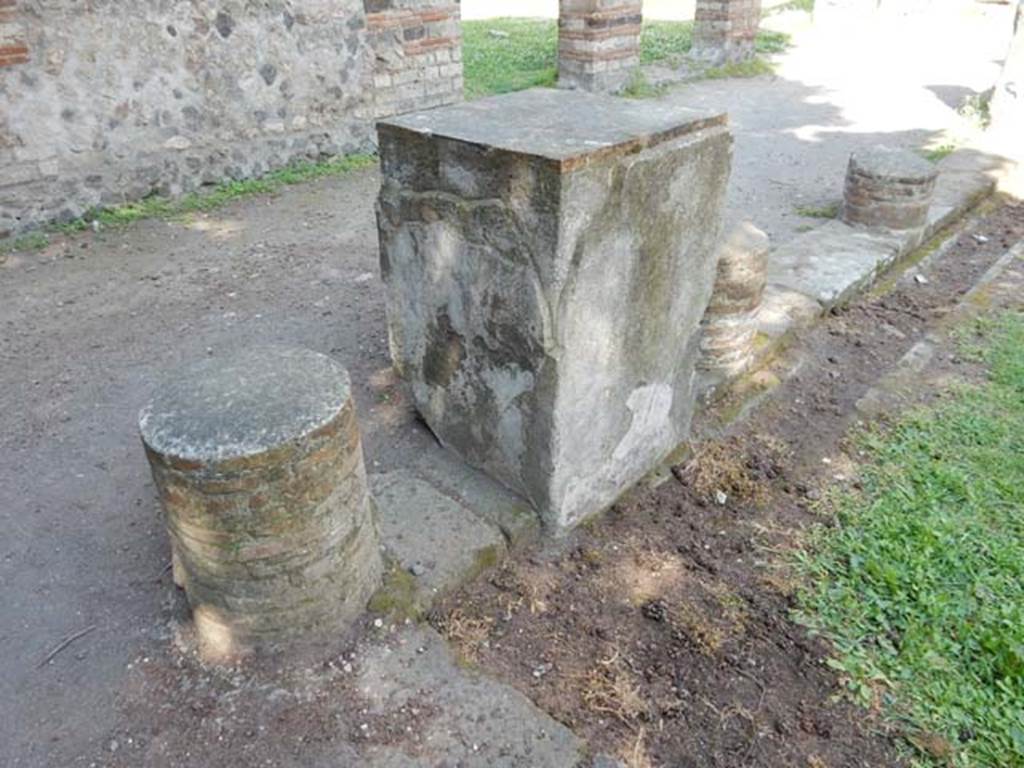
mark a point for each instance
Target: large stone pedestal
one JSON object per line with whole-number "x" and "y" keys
{"x": 548, "y": 257}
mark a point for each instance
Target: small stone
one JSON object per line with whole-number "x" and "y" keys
{"x": 721, "y": 498}
{"x": 417, "y": 569}
{"x": 540, "y": 670}
{"x": 655, "y": 610}
{"x": 980, "y": 239}
{"x": 378, "y": 623}
{"x": 920, "y": 279}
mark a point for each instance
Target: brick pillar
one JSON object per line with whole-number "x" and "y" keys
{"x": 598, "y": 43}
{"x": 13, "y": 45}
{"x": 417, "y": 50}
{"x": 724, "y": 30}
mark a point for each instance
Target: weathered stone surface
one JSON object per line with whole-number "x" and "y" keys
{"x": 725, "y": 30}
{"x": 889, "y": 189}
{"x": 548, "y": 257}
{"x": 730, "y": 323}
{"x": 431, "y": 535}
{"x": 784, "y": 310}
{"x": 259, "y": 466}
{"x": 598, "y": 43}
{"x": 471, "y": 721}
{"x": 490, "y": 500}
{"x": 833, "y": 262}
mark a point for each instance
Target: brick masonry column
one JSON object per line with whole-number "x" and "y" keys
{"x": 13, "y": 45}
{"x": 417, "y": 48}
{"x": 729, "y": 335}
{"x": 258, "y": 462}
{"x": 598, "y": 43}
{"x": 724, "y": 31}
{"x": 889, "y": 188}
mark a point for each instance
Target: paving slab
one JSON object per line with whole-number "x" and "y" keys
{"x": 832, "y": 263}
{"x": 956, "y": 192}
{"x": 475, "y": 722}
{"x": 511, "y": 513}
{"x": 432, "y": 536}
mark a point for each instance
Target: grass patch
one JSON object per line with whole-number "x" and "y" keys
{"x": 33, "y": 241}
{"x": 157, "y": 206}
{"x": 640, "y": 88}
{"x": 935, "y": 154}
{"x": 830, "y": 211}
{"x": 504, "y": 55}
{"x": 807, "y": 6}
{"x": 920, "y": 586}
{"x": 750, "y": 68}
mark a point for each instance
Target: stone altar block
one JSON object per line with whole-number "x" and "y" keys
{"x": 548, "y": 257}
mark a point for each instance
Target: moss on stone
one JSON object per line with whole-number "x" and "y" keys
{"x": 398, "y": 597}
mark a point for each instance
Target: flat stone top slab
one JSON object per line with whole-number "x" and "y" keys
{"x": 245, "y": 404}
{"x": 892, "y": 164}
{"x": 570, "y": 128}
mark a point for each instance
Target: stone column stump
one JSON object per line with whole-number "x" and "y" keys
{"x": 259, "y": 466}
{"x": 598, "y": 43}
{"x": 548, "y": 257}
{"x": 889, "y": 189}
{"x": 725, "y": 31}
{"x": 730, "y": 325}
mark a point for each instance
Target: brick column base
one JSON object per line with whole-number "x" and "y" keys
{"x": 598, "y": 43}
{"x": 418, "y": 52}
{"x": 724, "y": 31}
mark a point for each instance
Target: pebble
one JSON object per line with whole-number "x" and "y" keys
{"x": 921, "y": 279}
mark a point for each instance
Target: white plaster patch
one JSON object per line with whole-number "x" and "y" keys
{"x": 651, "y": 406}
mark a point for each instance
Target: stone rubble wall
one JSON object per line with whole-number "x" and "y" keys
{"x": 107, "y": 102}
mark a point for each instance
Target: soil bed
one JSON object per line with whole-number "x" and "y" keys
{"x": 661, "y": 634}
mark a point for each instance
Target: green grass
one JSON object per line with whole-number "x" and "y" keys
{"x": 793, "y": 5}
{"x": 830, "y": 211}
{"x": 524, "y": 57}
{"x": 504, "y": 55}
{"x": 197, "y": 202}
{"x": 920, "y": 586}
{"x": 750, "y": 68}
{"x": 935, "y": 154}
{"x": 639, "y": 87}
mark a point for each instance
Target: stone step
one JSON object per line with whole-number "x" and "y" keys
{"x": 435, "y": 542}
{"x": 467, "y": 719}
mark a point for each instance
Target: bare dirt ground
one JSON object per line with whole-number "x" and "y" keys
{"x": 663, "y": 634}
